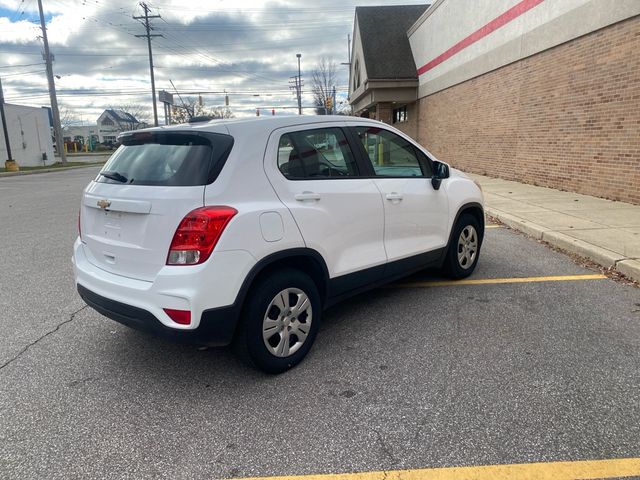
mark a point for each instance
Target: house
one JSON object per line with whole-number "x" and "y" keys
{"x": 536, "y": 91}
{"x": 112, "y": 122}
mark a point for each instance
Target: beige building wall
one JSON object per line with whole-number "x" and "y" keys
{"x": 539, "y": 91}
{"x": 566, "y": 118}
{"x": 456, "y": 40}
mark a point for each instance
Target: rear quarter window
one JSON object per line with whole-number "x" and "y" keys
{"x": 167, "y": 159}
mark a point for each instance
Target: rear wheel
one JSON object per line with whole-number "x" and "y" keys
{"x": 280, "y": 321}
{"x": 464, "y": 250}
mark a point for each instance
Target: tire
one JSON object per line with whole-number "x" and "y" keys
{"x": 272, "y": 327}
{"x": 464, "y": 249}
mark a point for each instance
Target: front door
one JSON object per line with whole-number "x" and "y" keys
{"x": 416, "y": 215}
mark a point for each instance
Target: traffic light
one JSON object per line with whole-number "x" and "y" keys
{"x": 328, "y": 103}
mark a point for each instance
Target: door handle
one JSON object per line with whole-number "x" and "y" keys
{"x": 394, "y": 196}
{"x": 304, "y": 196}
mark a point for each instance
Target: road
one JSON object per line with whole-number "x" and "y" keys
{"x": 406, "y": 377}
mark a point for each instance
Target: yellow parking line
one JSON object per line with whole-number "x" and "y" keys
{"x": 584, "y": 470}
{"x": 490, "y": 281}
{"x": 493, "y": 226}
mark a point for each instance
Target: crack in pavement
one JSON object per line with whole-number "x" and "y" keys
{"x": 386, "y": 449}
{"x": 27, "y": 347}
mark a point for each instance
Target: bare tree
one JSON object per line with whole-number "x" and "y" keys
{"x": 323, "y": 80}
{"x": 189, "y": 108}
{"x": 67, "y": 118}
{"x": 193, "y": 108}
{"x": 344, "y": 109}
{"x": 221, "y": 112}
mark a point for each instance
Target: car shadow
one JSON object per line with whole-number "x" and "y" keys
{"x": 160, "y": 360}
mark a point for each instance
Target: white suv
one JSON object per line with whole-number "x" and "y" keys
{"x": 244, "y": 230}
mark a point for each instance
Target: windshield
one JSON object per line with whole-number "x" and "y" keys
{"x": 167, "y": 159}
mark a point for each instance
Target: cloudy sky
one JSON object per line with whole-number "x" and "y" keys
{"x": 246, "y": 47}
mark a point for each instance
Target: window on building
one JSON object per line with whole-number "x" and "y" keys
{"x": 315, "y": 154}
{"x": 400, "y": 114}
{"x": 107, "y": 121}
{"x": 391, "y": 155}
{"x": 356, "y": 74}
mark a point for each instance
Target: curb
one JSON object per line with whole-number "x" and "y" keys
{"x": 630, "y": 268}
{"x": 532, "y": 229}
{"x": 606, "y": 258}
{"x": 47, "y": 170}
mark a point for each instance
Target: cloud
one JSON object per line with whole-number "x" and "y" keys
{"x": 244, "y": 47}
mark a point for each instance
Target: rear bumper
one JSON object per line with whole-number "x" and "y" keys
{"x": 209, "y": 291}
{"x": 217, "y": 326}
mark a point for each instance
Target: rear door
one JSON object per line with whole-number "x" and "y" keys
{"x": 416, "y": 214}
{"x": 130, "y": 212}
{"x": 315, "y": 174}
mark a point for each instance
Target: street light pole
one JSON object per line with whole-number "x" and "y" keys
{"x": 57, "y": 129}
{"x": 299, "y": 83}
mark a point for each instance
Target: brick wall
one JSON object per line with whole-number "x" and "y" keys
{"x": 566, "y": 118}
{"x": 384, "y": 112}
{"x": 410, "y": 127}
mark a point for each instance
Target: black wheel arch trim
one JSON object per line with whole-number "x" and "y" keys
{"x": 463, "y": 209}
{"x": 274, "y": 258}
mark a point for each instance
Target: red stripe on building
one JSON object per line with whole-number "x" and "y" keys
{"x": 511, "y": 14}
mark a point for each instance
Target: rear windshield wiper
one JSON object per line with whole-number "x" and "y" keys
{"x": 114, "y": 176}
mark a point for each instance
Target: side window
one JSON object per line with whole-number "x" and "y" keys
{"x": 314, "y": 154}
{"x": 392, "y": 155}
{"x": 425, "y": 163}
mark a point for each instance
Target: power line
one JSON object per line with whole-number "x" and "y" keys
{"x": 208, "y": 57}
{"x": 21, "y": 6}
{"x": 23, "y": 65}
{"x": 23, "y": 73}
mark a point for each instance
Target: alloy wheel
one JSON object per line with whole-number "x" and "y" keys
{"x": 287, "y": 322}
{"x": 467, "y": 247}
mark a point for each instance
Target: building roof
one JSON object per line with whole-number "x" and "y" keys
{"x": 385, "y": 44}
{"x": 122, "y": 116}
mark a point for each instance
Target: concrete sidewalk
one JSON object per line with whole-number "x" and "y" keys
{"x": 603, "y": 231}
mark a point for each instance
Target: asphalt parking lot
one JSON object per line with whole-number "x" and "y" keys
{"x": 414, "y": 376}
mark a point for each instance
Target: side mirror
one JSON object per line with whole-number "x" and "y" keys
{"x": 440, "y": 172}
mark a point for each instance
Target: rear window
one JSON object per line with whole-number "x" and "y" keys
{"x": 167, "y": 159}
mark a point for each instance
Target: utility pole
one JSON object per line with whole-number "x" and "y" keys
{"x": 148, "y": 36}
{"x": 57, "y": 129}
{"x": 4, "y": 125}
{"x": 299, "y": 84}
{"x": 348, "y": 62}
{"x": 333, "y": 103}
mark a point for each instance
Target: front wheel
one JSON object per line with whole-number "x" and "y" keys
{"x": 280, "y": 321}
{"x": 464, "y": 250}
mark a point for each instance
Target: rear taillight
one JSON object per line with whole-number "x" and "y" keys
{"x": 198, "y": 234}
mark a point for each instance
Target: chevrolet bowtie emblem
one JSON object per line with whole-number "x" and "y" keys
{"x": 104, "y": 204}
